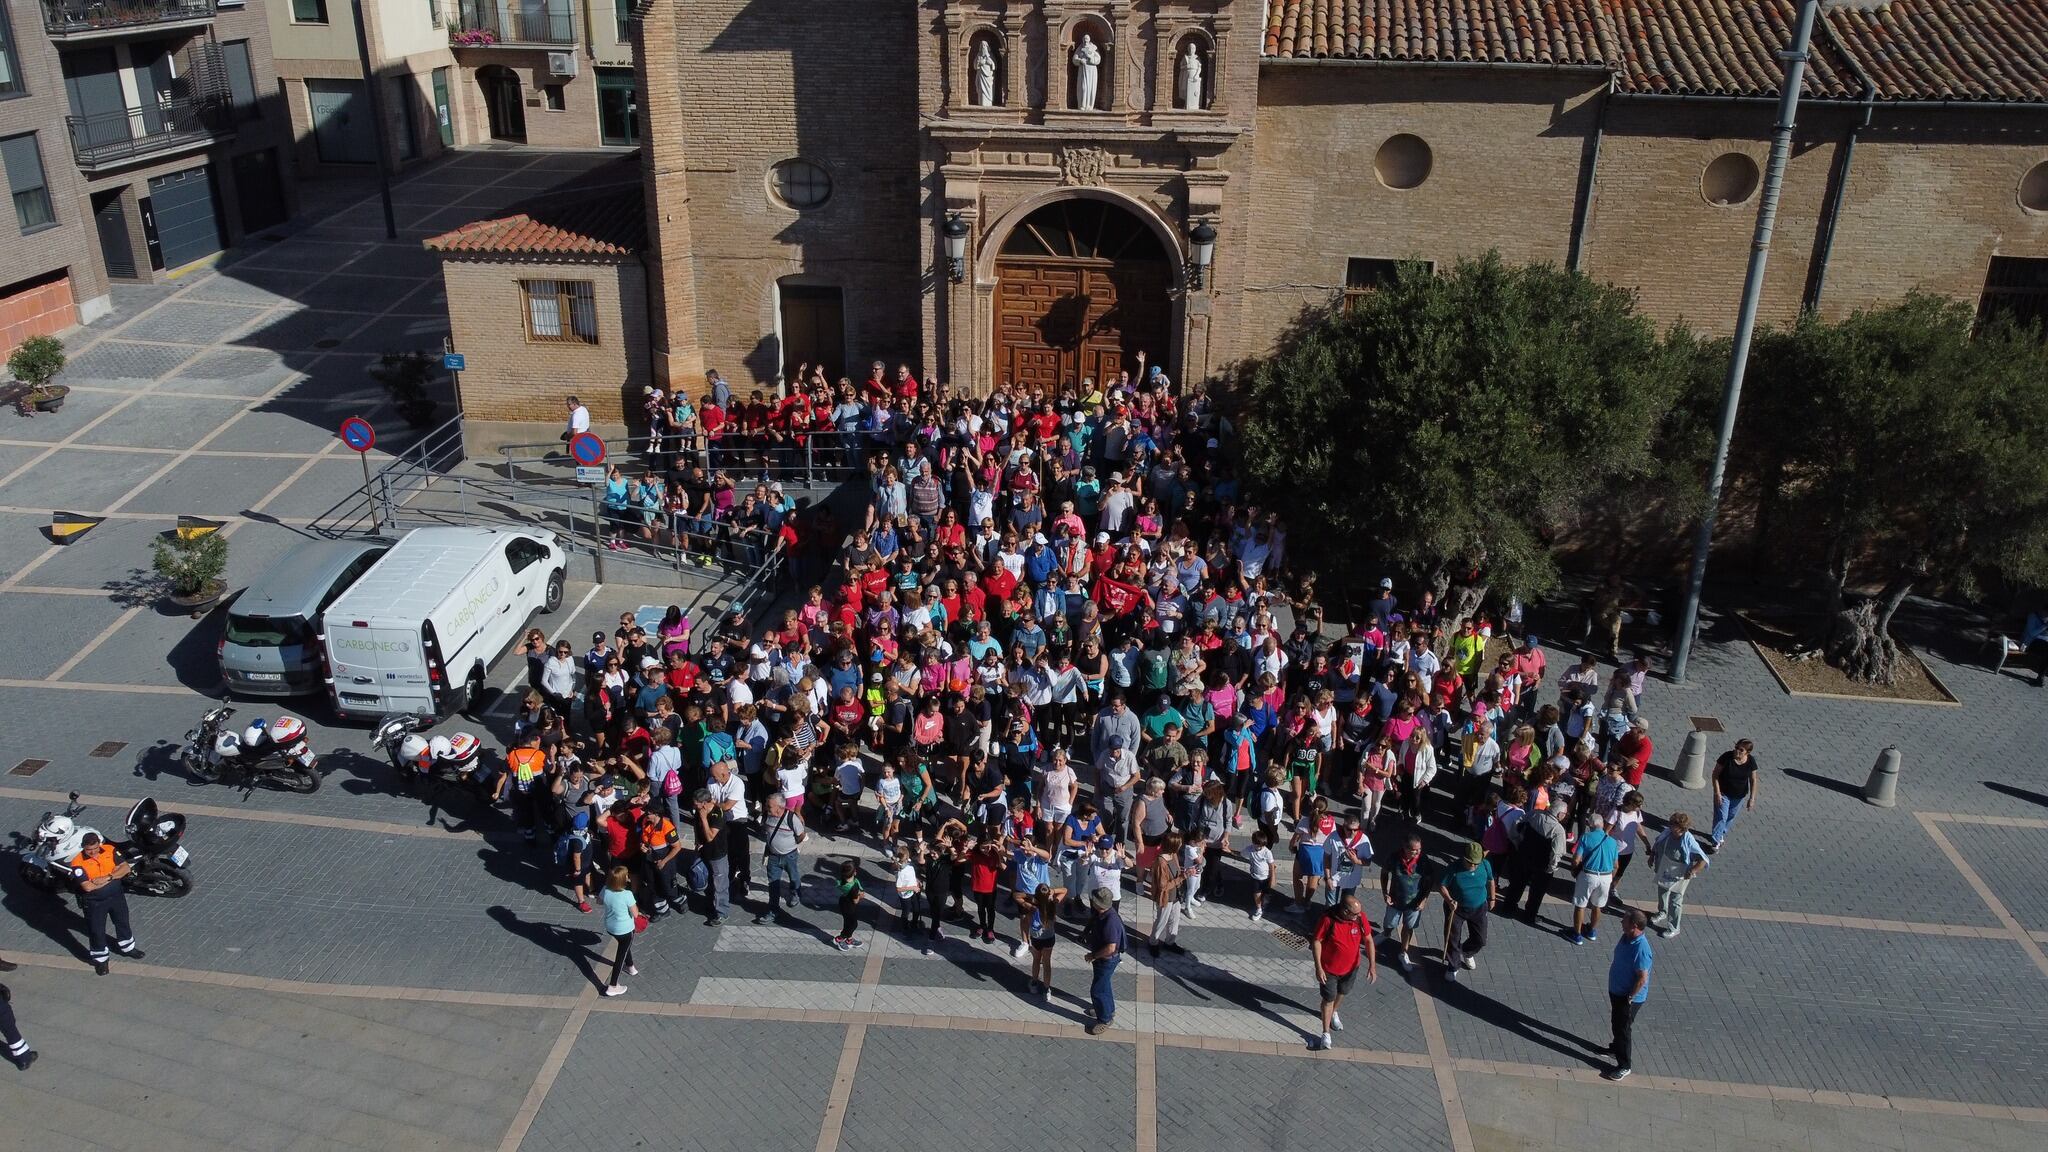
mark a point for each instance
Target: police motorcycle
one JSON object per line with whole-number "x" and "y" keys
{"x": 276, "y": 752}
{"x": 154, "y": 851}
{"x": 431, "y": 766}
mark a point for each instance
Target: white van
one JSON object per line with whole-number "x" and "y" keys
{"x": 422, "y": 628}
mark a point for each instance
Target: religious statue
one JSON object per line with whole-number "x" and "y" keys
{"x": 1087, "y": 62}
{"x": 984, "y": 75}
{"x": 1191, "y": 78}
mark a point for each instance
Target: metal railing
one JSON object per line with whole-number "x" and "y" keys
{"x": 514, "y": 22}
{"x": 374, "y": 506}
{"x": 63, "y": 18}
{"x": 815, "y": 459}
{"x": 114, "y": 137}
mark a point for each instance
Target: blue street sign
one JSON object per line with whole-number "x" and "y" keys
{"x": 357, "y": 433}
{"x": 586, "y": 448}
{"x": 453, "y": 361}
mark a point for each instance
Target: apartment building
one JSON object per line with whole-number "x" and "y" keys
{"x": 137, "y": 139}
{"x": 548, "y": 73}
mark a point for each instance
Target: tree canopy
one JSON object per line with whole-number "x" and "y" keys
{"x": 1900, "y": 446}
{"x": 1450, "y": 423}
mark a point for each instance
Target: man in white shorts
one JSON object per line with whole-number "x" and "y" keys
{"x": 1594, "y": 860}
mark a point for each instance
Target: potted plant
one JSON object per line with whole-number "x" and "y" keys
{"x": 405, "y": 376}
{"x": 35, "y": 363}
{"x": 191, "y": 568}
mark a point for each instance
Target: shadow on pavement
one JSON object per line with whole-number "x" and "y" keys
{"x": 578, "y": 945}
{"x": 1827, "y": 782}
{"x": 2017, "y": 793}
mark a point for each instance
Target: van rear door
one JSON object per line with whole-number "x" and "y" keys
{"x": 377, "y": 669}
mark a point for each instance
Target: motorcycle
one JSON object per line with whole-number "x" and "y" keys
{"x": 438, "y": 763}
{"x": 274, "y": 753}
{"x": 155, "y": 856}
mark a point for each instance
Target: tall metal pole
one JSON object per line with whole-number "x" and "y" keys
{"x": 1745, "y": 324}
{"x": 370, "y": 89}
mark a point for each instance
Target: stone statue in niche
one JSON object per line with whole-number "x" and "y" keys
{"x": 1191, "y": 78}
{"x": 1087, "y": 61}
{"x": 984, "y": 68}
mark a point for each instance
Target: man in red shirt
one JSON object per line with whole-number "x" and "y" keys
{"x": 1339, "y": 944}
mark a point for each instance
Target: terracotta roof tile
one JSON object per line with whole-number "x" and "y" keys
{"x": 1993, "y": 50}
{"x": 586, "y": 224}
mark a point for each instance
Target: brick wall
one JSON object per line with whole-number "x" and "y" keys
{"x": 1505, "y": 162}
{"x": 573, "y": 127}
{"x": 44, "y": 310}
{"x": 528, "y": 382}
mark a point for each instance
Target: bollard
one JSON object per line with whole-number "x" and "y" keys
{"x": 1882, "y": 789}
{"x": 1692, "y": 762}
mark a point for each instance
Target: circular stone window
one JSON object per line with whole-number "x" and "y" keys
{"x": 1402, "y": 162}
{"x": 1729, "y": 180}
{"x": 2034, "y": 188}
{"x": 800, "y": 184}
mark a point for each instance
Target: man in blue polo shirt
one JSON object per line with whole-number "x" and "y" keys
{"x": 1595, "y": 859}
{"x": 1628, "y": 985}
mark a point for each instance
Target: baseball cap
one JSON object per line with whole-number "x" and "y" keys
{"x": 1038, "y": 538}
{"x": 1386, "y": 581}
{"x": 1102, "y": 537}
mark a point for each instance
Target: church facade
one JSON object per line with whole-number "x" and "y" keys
{"x": 1184, "y": 177}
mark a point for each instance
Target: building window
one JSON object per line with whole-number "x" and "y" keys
{"x": 2034, "y": 188}
{"x": 555, "y": 96}
{"x": 2016, "y": 286}
{"x": 1403, "y": 162}
{"x": 241, "y": 80}
{"x": 618, "y": 107}
{"x": 1730, "y": 180}
{"x": 561, "y": 311}
{"x": 10, "y": 64}
{"x": 309, "y": 11}
{"x": 800, "y": 184}
{"x": 1364, "y": 275}
{"x": 24, "y": 164}
{"x": 622, "y": 18}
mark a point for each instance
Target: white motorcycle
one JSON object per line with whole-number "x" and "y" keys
{"x": 155, "y": 857}
{"x": 276, "y": 752}
{"x": 431, "y": 764}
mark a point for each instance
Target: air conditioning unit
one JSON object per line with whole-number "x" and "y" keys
{"x": 561, "y": 63}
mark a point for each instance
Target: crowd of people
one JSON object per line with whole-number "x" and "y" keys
{"x": 1061, "y": 656}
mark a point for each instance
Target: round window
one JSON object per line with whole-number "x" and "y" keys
{"x": 800, "y": 183}
{"x": 1402, "y": 162}
{"x": 1729, "y": 180}
{"x": 2034, "y": 188}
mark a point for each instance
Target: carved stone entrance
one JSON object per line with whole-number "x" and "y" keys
{"x": 1081, "y": 287}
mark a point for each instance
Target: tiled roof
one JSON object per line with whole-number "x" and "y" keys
{"x": 1992, "y": 50}
{"x": 589, "y": 224}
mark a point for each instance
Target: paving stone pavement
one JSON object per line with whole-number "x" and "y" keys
{"x": 916, "y": 1086}
{"x": 1212, "y": 1100}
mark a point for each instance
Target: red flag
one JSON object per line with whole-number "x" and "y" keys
{"x": 1116, "y": 597}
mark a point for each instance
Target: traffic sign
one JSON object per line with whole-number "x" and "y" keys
{"x": 593, "y": 474}
{"x": 586, "y": 448}
{"x": 357, "y": 433}
{"x": 454, "y": 361}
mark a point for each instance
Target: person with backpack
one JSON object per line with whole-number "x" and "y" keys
{"x": 573, "y": 857}
{"x": 1340, "y": 942}
{"x": 1535, "y": 848}
{"x": 782, "y": 830}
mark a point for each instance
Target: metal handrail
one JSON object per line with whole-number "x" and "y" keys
{"x": 62, "y": 17}
{"x": 104, "y": 137}
{"x": 517, "y": 22}
{"x": 814, "y": 458}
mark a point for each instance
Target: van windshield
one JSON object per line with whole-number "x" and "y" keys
{"x": 267, "y": 631}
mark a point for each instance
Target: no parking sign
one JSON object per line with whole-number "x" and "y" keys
{"x": 587, "y": 449}
{"x": 357, "y": 434}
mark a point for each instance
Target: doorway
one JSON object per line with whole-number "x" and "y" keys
{"x": 342, "y": 130}
{"x": 503, "y": 102}
{"x": 260, "y": 190}
{"x": 110, "y": 219}
{"x": 1082, "y": 286}
{"x": 813, "y": 329}
{"x": 444, "y": 118}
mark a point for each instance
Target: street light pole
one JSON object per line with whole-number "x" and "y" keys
{"x": 1745, "y": 325}
{"x": 377, "y": 117}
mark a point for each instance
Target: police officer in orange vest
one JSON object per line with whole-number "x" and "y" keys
{"x": 98, "y": 872}
{"x": 661, "y": 850}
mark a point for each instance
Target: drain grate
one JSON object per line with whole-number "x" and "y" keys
{"x": 1707, "y": 724}
{"x": 1293, "y": 940}
{"x": 107, "y": 749}
{"x": 328, "y": 343}
{"x": 28, "y": 767}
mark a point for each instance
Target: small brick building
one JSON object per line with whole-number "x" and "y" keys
{"x": 801, "y": 163}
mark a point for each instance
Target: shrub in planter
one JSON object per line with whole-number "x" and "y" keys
{"x": 191, "y": 568}
{"x": 35, "y": 363}
{"x": 405, "y": 376}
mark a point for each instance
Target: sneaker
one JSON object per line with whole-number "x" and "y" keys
{"x": 632, "y": 969}
{"x": 1257, "y": 916}
{"x": 1593, "y": 935}
{"x": 1451, "y": 975}
{"x": 852, "y": 943}
{"x": 1406, "y": 964}
{"x": 1616, "y": 1074}
{"x": 1336, "y": 1022}
{"x": 1045, "y": 991}
{"x": 130, "y": 954}
{"x": 615, "y": 990}
{"x": 840, "y": 942}
{"x": 1578, "y": 938}
{"x": 988, "y": 937}
{"x": 1668, "y": 933}
{"x": 1017, "y": 950}
{"x": 761, "y": 919}
{"x": 24, "y": 1060}
{"x": 1470, "y": 964}
{"x": 583, "y": 905}
{"x": 924, "y": 950}
{"x": 1320, "y": 1044}
{"x": 1098, "y": 1028}
{"x": 714, "y": 922}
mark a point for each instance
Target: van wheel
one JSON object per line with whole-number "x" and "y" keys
{"x": 554, "y": 596}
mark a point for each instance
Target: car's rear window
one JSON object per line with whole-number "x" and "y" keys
{"x": 267, "y": 631}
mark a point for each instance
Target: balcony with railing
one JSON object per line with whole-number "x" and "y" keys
{"x": 106, "y": 139}
{"x": 92, "y": 19}
{"x": 483, "y": 23}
